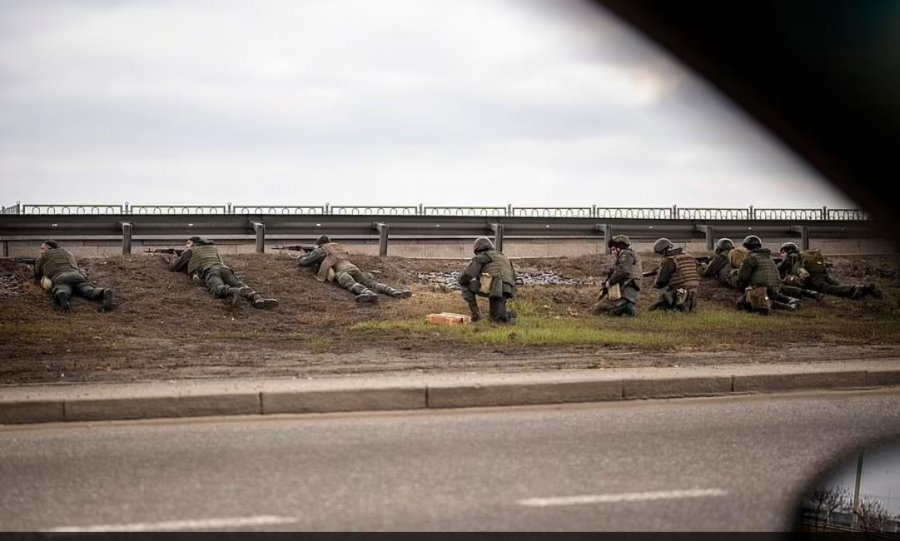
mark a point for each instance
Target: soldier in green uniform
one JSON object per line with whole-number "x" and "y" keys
{"x": 720, "y": 268}
{"x": 807, "y": 269}
{"x": 331, "y": 262}
{"x": 677, "y": 277}
{"x": 622, "y": 287}
{"x": 57, "y": 270}
{"x": 201, "y": 261}
{"x": 489, "y": 274}
{"x": 759, "y": 280}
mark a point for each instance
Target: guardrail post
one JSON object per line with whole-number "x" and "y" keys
{"x": 126, "y": 209}
{"x": 804, "y": 237}
{"x": 607, "y": 236}
{"x": 674, "y": 212}
{"x": 126, "y": 238}
{"x": 824, "y": 213}
{"x": 498, "y": 236}
{"x": 710, "y": 237}
{"x": 752, "y": 213}
{"x": 228, "y": 208}
{"x": 5, "y": 248}
{"x": 421, "y": 209}
{"x": 260, "y": 229}
{"x": 383, "y": 231}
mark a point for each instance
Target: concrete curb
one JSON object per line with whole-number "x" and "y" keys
{"x": 180, "y": 399}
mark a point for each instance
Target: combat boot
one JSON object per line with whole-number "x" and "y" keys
{"x": 401, "y": 294}
{"x": 106, "y": 302}
{"x": 61, "y": 302}
{"x": 874, "y": 291}
{"x": 790, "y": 306}
{"x": 475, "y": 313}
{"x": 259, "y": 301}
{"x": 366, "y": 296}
{"x": 234, "y": 296}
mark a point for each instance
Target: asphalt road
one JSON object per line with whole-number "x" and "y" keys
{"x": 713, "y": 464}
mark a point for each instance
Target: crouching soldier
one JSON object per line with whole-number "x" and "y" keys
{"x": 622, "y": 287}
{"x": 489, "y": 274}
{"x": 759, "y": 280}
{"x": 201, "y": 261}
{"x": 56, "y": 270}
{"x": 678, "y": 278}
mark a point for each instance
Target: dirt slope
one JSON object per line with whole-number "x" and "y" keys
{"x": 166, "y": 327}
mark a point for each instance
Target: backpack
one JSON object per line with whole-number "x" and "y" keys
{"x": 813, "y": 261}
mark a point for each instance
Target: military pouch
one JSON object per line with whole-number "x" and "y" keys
{"x": 758, "y": 297}
{"x": 681, "y": 295}
{"x": 486, "y": 282}
{"x": 615, "y": 292}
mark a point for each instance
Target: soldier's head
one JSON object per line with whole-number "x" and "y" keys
{"x": 724, "y": 244}
{"x": 752, "y": 242}
{"x": 482, "y": 244}
{"x": 323, "y": 239}
{"x": 662, "y": 246}
{"x": 619, "y": 243}
{"x": 48, "y": 245}
{"x": 788, "y": 248}
{"x": 197, "y": 241}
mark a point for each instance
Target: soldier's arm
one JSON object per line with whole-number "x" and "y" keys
{"x": 745, "y": 272}
{"x": 312, "y": 258}
{"x": 38, "y": 268}
{"x": 472, "y": 270}
{"x": 666, "y": 269}
{"x": 621, "y": 269}
{"x": 180, "y": 263}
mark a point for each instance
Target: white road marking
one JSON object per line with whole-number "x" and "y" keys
{"x": 623, "y": 497}
{"x": 178, "y": 525}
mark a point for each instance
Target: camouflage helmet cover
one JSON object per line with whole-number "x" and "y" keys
{"x": 724, "y": 244}
{"x": 482, "y": 244}
{"x": 751, "y": 241}
{"x": 662, "y": 245}
{"x": 621, "y": 241}
{"x": 789, "y": 247}
{"x": 323, "y": 239}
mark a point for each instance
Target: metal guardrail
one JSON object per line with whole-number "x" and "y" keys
{"x": 647, "y": 213}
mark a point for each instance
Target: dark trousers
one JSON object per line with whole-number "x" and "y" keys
{"x": 220, "y": 281}
{"x": 75, "y": 282}
{"x": 497, "y": 306}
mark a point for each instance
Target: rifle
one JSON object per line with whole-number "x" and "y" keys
{"x": 22, "y": 260}
{"x": 295, "y": 247}
{"x": 170, "y": 251}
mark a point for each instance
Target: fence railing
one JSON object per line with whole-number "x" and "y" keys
{"x": 646, "y": 213}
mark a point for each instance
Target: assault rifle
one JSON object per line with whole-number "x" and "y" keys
{"x": 296, "y": 247}
{"x": 170, "y": 251}
{"x": 22, "y": 260}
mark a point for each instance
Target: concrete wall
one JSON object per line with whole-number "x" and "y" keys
{"x": 435, "y": 249}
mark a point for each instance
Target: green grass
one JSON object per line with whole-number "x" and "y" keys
{"x": 651, "y": 331}
{"x": 58, "y": 330}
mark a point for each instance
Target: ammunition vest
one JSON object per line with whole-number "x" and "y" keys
{"x": 765, "y": 273}
{"x": 686, "y": 274}
{"x": 813, "y": 261}
{"x": 336, "y": 258}
{"x": 499, "y": 267}
{"x": 203, "y": 256}
{"x": 56, "y": 262}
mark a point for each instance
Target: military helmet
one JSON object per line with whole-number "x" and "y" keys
{"x": 752, "y": 241}
{"x": 482, "y": 244}
{"x": 789, "y": 247}
{"x": 620, "y": 241}
{"x": 724, "y": 244}
{"x": 661, "y": 246}
{"x": 323, "y": 239}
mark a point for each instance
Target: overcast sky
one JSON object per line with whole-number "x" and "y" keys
{"x": 350, "y": 102}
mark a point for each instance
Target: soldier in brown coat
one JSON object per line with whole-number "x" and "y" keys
{"x": 201, "y": 261}
{"x": 678, "y": 277}
{"x": 57, "y": 270}
{"x": 331, "y": 262}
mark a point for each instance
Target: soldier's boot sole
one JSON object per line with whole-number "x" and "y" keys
{"x": 366, "y": 298}
{"x": 402, "y": 294}
{"x": 106, "y": 303}
{"x": 265, "y": 303}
